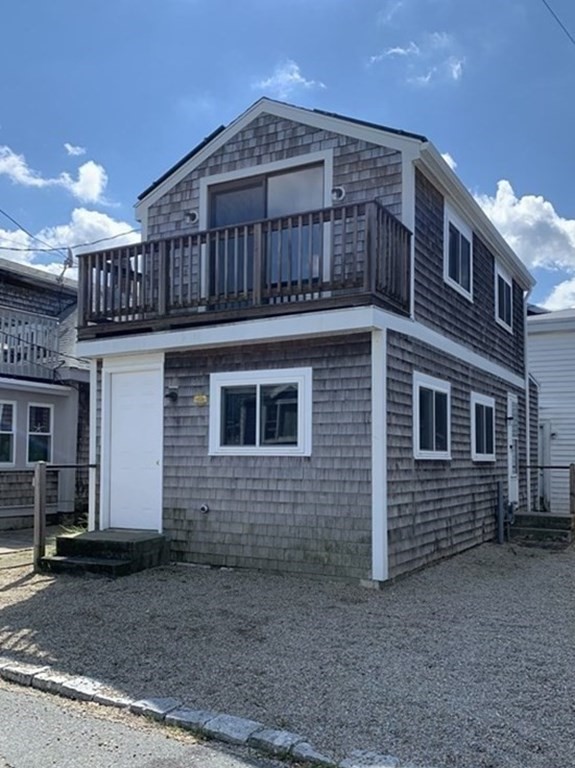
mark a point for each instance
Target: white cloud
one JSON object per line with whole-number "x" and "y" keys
{"x": 434, "y": 57}
{"x": 449, "y": 160}
{"x": 286, "y": 79}
{"x": 532, "y": 227}
{"x": 455, "y": 67}
{"x": 562, "y": 296}
{"x": 90, "y": 184}
{"x": 74, "y": 150}
{"x": 88, "y": 187}
{"x": 389, "y": 12}
{"x": 85, "y": 226}
{"x": 423, "y": 79}
{"x": 440, "y": 40}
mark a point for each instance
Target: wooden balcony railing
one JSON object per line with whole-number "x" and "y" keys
{"x": 28, "y": 344}
{"x": 343, "y": 255}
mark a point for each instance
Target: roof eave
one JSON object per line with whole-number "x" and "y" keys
{"x": 432, "y": 160}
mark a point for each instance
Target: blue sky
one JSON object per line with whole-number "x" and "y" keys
{"x": 100, "y": 97}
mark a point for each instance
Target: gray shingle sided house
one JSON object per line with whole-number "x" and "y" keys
{"x": 315, "y": 360}
{"x": 43, "y": 392}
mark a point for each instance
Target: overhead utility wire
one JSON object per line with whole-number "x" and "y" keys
{"x": 13, "y": 220}
{"x": 8, "y": 335}
{"x": 77, "y": 245}
{"x": 558, "y": 20}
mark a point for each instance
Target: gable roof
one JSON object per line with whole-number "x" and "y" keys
{"x": 208, "y": 139}
{"x": 415, "y": 148}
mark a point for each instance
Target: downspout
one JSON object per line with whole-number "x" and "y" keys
{"x": 527, "y": 403}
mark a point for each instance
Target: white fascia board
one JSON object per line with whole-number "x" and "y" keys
{"x": 34, "y": 386}
{"x": 450, "y": 347}
{"x": 291, "y": 327}
{"x": 405, "y": 144}
{"x": 283, "y": 328}
{"x": 536, "y": 324}
{"x": 435, "y": 166}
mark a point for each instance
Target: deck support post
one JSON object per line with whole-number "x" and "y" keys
{"x": 39, "y": 513}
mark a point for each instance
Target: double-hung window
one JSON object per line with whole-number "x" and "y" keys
{"x": 432, "y": 418}
{"x": 40, "y": 422}
{"x": 458, "y": 254}
{"x": 482, "y": 427}
{"x": 261, "y": 412}
{"x": 7, "y": 431}
{"x": 503, "y": 299}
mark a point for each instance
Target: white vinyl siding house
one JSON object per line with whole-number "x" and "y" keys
{"x": 551, "y": 347}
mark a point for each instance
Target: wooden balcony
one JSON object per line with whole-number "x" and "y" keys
{"x": 28, "y": 344}
{"x": 335, "y": 257}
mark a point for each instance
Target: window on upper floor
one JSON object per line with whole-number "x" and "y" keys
{"x": 431, "y": 418}
{"x": 482, "y": 427}
{"x": 503, "y": 299}
{"x": 261, "y": 412}
{"x": 7, "y": 432}
{"x": 291, "y": 248}
{"x": 458, "y": 254}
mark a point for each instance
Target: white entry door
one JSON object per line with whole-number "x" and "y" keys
{"x": 513, "y": 448}
{"x": 135, "y": 438}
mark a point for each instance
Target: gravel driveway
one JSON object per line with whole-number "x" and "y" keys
{"x": 469, "y": 663}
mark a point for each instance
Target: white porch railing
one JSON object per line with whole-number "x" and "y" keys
{"x": 28, "y": 344}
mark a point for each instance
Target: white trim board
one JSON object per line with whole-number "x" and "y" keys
{"x": 379, "y": 525}
{"x": 92, "y": 445}
{"x": 34, "y": 386}
{"x": 287, "y": 327}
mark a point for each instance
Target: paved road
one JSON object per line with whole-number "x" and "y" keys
{"x": 39, "y": 730}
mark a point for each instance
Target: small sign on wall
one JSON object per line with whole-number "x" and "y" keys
{"x": 200, "y": 399}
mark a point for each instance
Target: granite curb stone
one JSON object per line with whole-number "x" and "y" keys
{"x": 307, "y": 753}
{"x": 50, "y": 681}
{"x": 80, "y": 688}
{"x": 228, "y": 728}
{"x": 157, "y": 708}
{"x": 190, "y": 719}
{"x": 112, "y": 700}
{"x": 234, "y": 730}
{"x": 274, "y": 741}
{"x": 22, "y": 673}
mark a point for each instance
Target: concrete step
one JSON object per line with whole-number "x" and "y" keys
{"x": 111, "y": 543}
{"x": 561, "y": 522}
{"x": 104, "y": 566}
{"x": 541, "y": 537}
{"x": 111, "y": 552}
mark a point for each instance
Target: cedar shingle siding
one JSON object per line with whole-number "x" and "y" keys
{"x": 303, "y": 514}
{"x": 436, "y": 508}
{"x": 437, "y": 304}
{"x": 367, "y": 171}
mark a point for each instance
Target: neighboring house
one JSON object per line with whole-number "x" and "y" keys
{"x": 315, "y": 361}
{"x": 44, "y": 396}
{"x": 551, "y": 353}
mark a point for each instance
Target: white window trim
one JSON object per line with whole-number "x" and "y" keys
{"x": 50, "y": 406}
{"x": 422, "y": 380}
{"x": 300, "y": 376}
{"x": 500, "y": 273}
{"x": 450, "y": 217}
{"x": 324, "y": 157}
{"x": 488, "y": 402}
{"x": 14, "y": 405}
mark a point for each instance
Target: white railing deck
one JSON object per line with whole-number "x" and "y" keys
{"x": 28, "y": 344}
